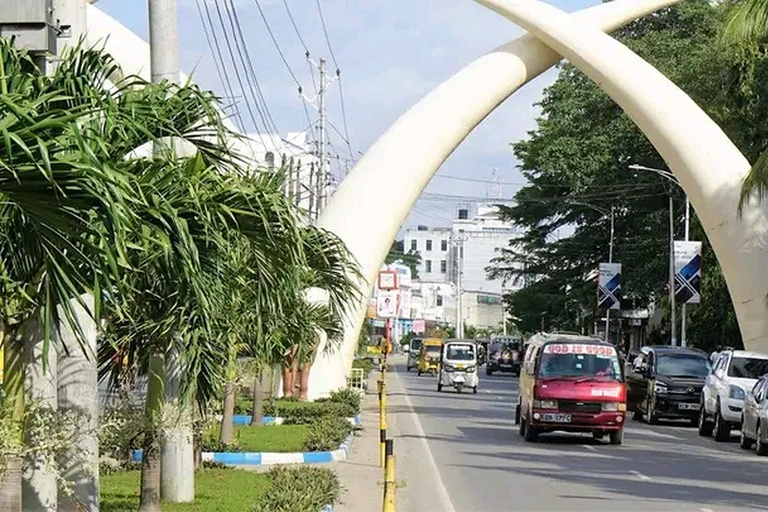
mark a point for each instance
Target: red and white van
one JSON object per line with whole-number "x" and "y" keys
{"x": 571, "y": 383}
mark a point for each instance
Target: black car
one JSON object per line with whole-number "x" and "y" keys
{"x": 666, "y": 382}
{"x": 505, "y": 355}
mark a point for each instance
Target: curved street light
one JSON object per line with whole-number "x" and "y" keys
{"x": 672, "y": 178}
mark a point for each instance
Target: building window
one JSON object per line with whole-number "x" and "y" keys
{"x": 429, "y": 245}
{"x": 439, "y": 300}
{"x": 443, "y": 267}
{"x": 413, "y": 245}
{"x": 428, "y": 266}
{"x": 443, "y": 245}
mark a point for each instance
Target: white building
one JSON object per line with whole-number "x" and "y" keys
{"x": 434, "y": 246}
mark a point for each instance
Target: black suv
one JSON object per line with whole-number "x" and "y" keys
{"x": 504, "y": 355}
{"x": 666, "y": 382}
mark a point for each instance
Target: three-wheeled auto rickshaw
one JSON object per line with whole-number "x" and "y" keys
{"x": 458, "y": 366}
{"x": 414, "y": 349}
{"x": 429, "y": 356}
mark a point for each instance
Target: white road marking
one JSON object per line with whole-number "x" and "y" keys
{"x": 590, "y": 447}
{"x": 707, "y": 510}
{"x": 650, "y": 433}
{"x": 442, "y": 492}
{"x": 640, "y": 475}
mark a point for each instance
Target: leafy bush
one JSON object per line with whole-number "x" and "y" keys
{"x": 327, "y": 434}
{"x": 243, "y": 405}
{"x": 212, "y": 464}
{"x": 121, "y": 430}
{"x": 366, "y": 364}
{"x": 299, "y": 489}
{"x": 308, "y": 413}
{"x": 110, "y": 466}
{"x": 211, "y": 444}
{"x": 348, "y": 397}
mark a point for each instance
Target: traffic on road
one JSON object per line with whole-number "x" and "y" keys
{"x": 585, "y": 428}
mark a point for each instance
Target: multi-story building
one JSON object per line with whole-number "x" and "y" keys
{"x": 434, "y": 246}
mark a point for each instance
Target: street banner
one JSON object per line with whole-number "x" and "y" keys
{"x": 688, "y": 272}
{"x": 419, "y": 326}
{"x": 609, "y": 286}
{"x": 386, "y": 304}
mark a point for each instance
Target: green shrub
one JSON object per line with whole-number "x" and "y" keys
{"x": 211, "y": 444}
{"x": 243, "y": 405}
{"x": 212, "y": 464}
{"x": 366, "y": 364}
{"x": 299, "y": 489}
{"x": 348, "y": 397}
{"x": 308, "y": 412}
{"x": 327, "y": 434}
{"x": 121, "y": 430}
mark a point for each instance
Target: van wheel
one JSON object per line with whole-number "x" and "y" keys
{"x": 488, "y": 371}
{"x": 617, "y": 437}
{"x": 598, "y": 435}
{"x": 517, "y": 414}
{"x": 760, "y": 447}
{"x": 531, "y": 434}
{"x": 705, "y": 426}
{"x": 745, "y": 443}
{"x": 474, "y": 390}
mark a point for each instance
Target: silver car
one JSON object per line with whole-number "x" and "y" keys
{"x": 754, "y": 422}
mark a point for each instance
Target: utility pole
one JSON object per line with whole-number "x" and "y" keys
{"x": 683, "y": 340}
{"x": 610, "y": 260}
{"x": 459, "y": 287}
{"x": 672, "y": 307}
{"x": 320, "y": 104}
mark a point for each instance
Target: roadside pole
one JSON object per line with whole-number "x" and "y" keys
{"x": 383, "y": 397}
{"x": 390, "y": 482}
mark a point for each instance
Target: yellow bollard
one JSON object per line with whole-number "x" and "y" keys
{"x": 382, "y": 423}
{"x": 390, "y": 483}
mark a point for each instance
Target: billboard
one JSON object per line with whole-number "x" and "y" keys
{"x": 609, "y": 286}
{"x": 688, "y": 272}
{"x": 386, "y": 304}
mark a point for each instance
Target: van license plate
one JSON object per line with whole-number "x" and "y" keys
{"x": 556, "y": 418}
{"x": 689, "y": 407}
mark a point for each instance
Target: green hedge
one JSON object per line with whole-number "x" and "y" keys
{"x": 309, "y": 412}
{"x": 348, "y": 397}
{"x": 327, "y": 434}
{"x": 299, "y": 489}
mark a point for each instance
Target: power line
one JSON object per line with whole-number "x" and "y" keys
{"x": 295, "y": 27}
{"x": 223, "y": 76}
{"x": 325, "y": 31}
{"x": 277, "y": 45}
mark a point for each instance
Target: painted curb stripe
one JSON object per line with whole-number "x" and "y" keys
{"x": 245, "y": 419}
{"x": 271, "y": 458}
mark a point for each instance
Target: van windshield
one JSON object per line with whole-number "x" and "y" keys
{"x": 573, "y": 360}
{"x": 460, "y": 353}
{"x": 416, "y": 344}
{"x": 432, "y": 349}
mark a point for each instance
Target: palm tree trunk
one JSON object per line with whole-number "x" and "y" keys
{"x": 226, "y": 433}
{"x": 257, "y": 414}
{"x": 10, "y": 486}
{"x": 151, "y": 456}
{"x": 304, "y": 381}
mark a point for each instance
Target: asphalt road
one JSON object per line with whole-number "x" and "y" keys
{"x": 485, "y": 466}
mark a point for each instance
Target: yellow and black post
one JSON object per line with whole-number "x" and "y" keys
{"x": 390, "y": 483}
{"x": 382, "y": 419}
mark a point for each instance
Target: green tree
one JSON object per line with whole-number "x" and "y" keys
{"x": 576, "y": 162}
{"x": 412, "y": 259}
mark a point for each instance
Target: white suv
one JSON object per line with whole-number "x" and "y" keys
{"x": 734, "y": 373}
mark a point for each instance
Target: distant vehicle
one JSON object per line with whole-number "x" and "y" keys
{"x": 571, "y": 383}
{"x": 666, "y": 382}
{"x": 458, "y": 366}
{"x": 754, "y": 425}
{"x": 412, "y": 348}
{"x": 429, "y": 356}
{"x": 505, "y": 355}
{"x": 733, "y": 375}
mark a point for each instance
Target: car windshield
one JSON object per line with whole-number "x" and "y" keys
{"x": 416, "y": 344}
{"x": 748, "y": 368}
{"x": 585, "y": 361}
{"x": 460, "y": 353}
{"x": 682, "y": 365}
{"x": 505, "y": 345}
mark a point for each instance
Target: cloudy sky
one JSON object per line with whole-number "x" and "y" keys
{"x": 390, "y": 53}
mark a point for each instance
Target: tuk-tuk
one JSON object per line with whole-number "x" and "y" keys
{"x": 429, "y": 355}
{"x": 459, "y": 366}
{"x": 414, "y": 349}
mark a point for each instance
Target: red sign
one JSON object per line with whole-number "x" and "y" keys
{"x": 388, "y": 280}
{"x": 580, "y": 348}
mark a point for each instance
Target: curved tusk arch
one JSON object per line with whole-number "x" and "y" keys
{"x": 371, "y": 204}
{"x": 708, "y": 165}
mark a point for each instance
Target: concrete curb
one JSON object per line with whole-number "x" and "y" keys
{"x": 245, "y": 419}
{"x": 327, "y": 508}
{"x": 272, "y": 458}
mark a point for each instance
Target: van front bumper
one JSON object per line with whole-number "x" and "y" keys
{"x": 547, "y": 419}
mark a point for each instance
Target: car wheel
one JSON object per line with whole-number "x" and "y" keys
{"x": 637, "y": 414}
{"x": 517, "y": 414}
{"x": 744, "y": 442}
{"x": 617, "y": 437}
{"x": 521, "y": 426}
{"x": 474, "y": 390}
{"x": 722, "y": 430}
{"x": 439, "y": 387}
{"x": 650, "y": 416}
{"x": 488, "y": 370}
{"x": 760, "y": 446}
{"x": 705, "y": 426}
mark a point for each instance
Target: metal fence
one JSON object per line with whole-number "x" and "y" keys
{"x": 356, "y": 379}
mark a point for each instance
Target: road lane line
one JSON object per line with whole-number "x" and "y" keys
{"x": 640, "y": 475}
{"x": 707, "y": 510}
{"x": 645, "y": 432}
{"x": 442, "y": 492}
{"x": 590, "y": 447}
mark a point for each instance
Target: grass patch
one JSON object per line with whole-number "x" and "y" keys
{"x": 267, "y": 438}
{"x": 216, "y": 490}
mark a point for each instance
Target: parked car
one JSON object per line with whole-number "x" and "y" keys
{"x": 754, "y": 424}
{"x": 505, "y": 356}
{"x": 571, "y": 383}
{"x": 666, "y": 382}
{"x": 733, "y": 375}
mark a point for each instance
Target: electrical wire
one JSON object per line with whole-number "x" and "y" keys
{"x": 295, "y": 27}
{"x": 277, "y": 45}
{"x": 325, "y": 32}
{"x": 223, "y": 75}
{"x": 248, "y": 63}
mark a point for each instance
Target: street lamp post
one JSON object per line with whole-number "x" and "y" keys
{"x": 673, "y": 314}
